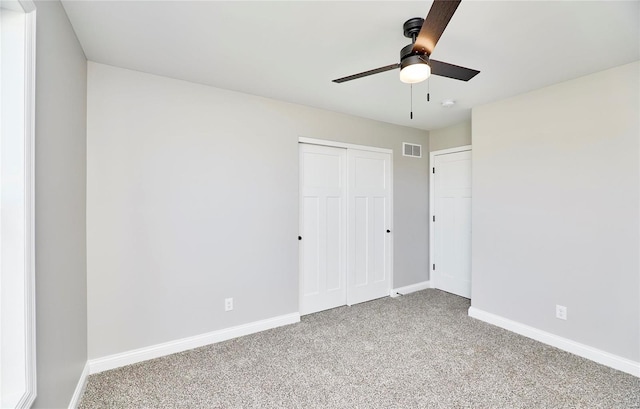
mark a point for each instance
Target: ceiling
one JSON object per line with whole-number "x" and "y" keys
{"x": 291, "y": 50}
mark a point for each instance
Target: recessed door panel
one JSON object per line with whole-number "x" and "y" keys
{"x": 335, "y": 239}
{"x": 311, "y": 258}
{"x": 359, "y": 237}
{"x": 378, "y": 242}
{"x": 369, "y": 173}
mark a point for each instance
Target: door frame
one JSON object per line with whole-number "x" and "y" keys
{"x": 26, "y": 275}
{"x": 336, "y": 144}
{"x": 432, "y": 208}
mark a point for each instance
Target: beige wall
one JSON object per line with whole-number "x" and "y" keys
{"x": 193, "y": 197}
{"x": 556, "y": 189}
{"x": 60, "y": 198}
{"x": 450, "y": 137}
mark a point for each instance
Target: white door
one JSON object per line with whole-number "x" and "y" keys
{"x": 369, "y": 225}
{"x": 322, "y": 228}
{"x": 451, "y": 261}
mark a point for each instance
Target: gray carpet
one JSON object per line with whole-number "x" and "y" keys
{"x": 416, "y": 351}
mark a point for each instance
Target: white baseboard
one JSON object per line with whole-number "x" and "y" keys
{"x": 396, "y": 292}
{"x": 171, "y": 347}
{"x": 585, "y": 351}
{"x": 80, "y": 387}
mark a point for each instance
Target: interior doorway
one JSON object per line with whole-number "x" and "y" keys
{"x": 451, "y": 220}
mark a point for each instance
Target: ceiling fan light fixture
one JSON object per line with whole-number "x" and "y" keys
{"x": 413, "y": 70}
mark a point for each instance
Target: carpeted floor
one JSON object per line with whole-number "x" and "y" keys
{"x": 416, "y": 351}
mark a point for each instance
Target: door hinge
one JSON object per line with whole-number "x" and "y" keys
{"x": 434, "y": 218}
{"x": 434, "y": 266}
{"x": 433, "y": 170}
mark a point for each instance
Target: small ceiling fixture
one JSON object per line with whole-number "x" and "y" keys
{"x": 448, "y": 103}
{"x": 414, "y": 69}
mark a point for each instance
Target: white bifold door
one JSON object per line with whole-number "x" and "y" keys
{"x": 345, "y": 246}
{"x": 451, "y": 259}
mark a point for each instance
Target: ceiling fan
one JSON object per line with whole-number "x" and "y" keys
{"x": 415, "y": 64}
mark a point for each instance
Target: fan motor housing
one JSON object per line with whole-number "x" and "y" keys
{"x": 407, "y": 51}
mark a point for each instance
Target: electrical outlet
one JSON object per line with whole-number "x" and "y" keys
{"x": 228, "y": 304}
{"x": 561, "y": 312}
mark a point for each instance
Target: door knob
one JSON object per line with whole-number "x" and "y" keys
{"x": 388, "y": 231}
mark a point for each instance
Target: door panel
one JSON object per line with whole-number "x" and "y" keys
{"x": 369, "y": 243}
{"x": 452, "y": 226}
{"x": 359, "y": 240}
{"x": 379, "y": 246}
{"x": 310, "y": 259}
{"x": 323, "y": 228}
{"x": 335, "y": 239}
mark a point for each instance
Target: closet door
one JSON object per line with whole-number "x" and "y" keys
{"x": 323, "y": 211}
{"x": 369, "y": 232}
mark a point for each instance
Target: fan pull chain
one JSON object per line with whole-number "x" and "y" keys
{"x": 428, "y": 88}
{"x": 411, "y": 116}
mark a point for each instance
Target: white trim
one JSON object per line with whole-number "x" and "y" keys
{"x": 432, "y": 206}
{"x": 391, "y": 223}
{"x": 585, "y": 351}
{"x": 30, "y": 259}
{"x": 447, "y": 151}
{"x": 313, "y": 141}
{"x": 80, "y": 387}
{"x": 172, "y": 347}
{"x": 30, "y": 392}
{"x": 408, "y": 289}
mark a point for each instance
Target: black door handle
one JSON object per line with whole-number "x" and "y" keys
{"x": 299, "y": 237}
{"x": 388, "y": 231}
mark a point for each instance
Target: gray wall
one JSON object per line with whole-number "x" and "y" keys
{"x": 450, "y": 137}
{"x": 555, "y": 209}
{"x": 193, "y": 197}
{"x": 61, "y": 296}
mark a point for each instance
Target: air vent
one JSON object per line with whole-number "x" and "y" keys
{"x": 409, "y": 149}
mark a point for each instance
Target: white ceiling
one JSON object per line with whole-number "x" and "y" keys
{"x": 291, "y": 50}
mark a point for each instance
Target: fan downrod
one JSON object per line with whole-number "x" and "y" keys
{"x": 412, "y": 27}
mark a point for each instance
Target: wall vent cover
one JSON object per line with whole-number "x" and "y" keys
{"x": 410, "y": 149}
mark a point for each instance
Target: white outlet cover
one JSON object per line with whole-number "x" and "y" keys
{"x": 561, "y": 312}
